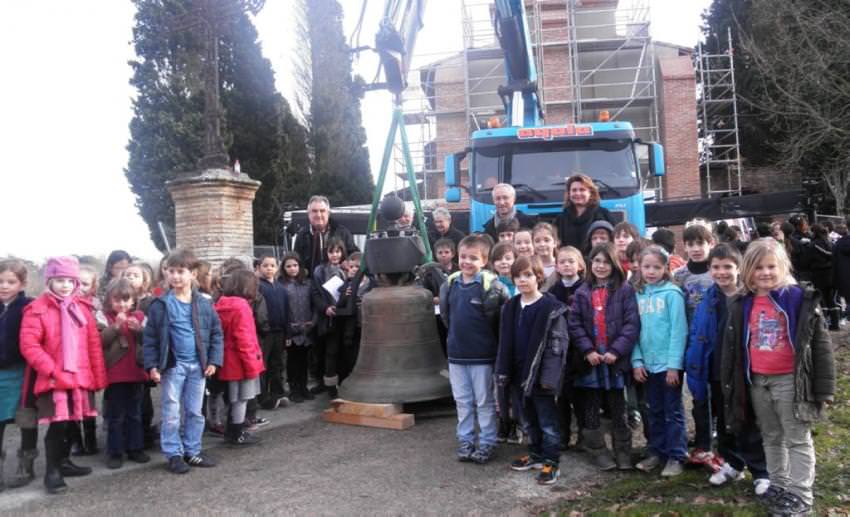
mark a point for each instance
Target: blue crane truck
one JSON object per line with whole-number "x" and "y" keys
{"x": 537, "y": 159}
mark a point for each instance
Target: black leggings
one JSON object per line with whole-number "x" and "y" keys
{"x": 616, "y": 403}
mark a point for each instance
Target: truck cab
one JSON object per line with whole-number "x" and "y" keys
{"x": 538, "y": 160}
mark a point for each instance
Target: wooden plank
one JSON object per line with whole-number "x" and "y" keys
{"x": 361, "y": 408}
{"x": 398, "y": 422}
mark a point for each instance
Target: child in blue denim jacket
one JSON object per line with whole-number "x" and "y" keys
{"x": 183, "y": 345}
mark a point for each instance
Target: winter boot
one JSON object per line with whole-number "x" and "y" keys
{"x": 67, "y": 467}
{"x": 623, "y": 448}
{"x": 54, "y": 450}
{"x": 25, "y": 471}
{"x": 594, "y": 441}
{"x": 238, "y": 437}
{"x": 75, "y": 439}
{"x": 90, "y": 436}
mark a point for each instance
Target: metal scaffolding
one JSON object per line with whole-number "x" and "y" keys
{"x": 591, "y": 57}
{"x": 720, "y": 157}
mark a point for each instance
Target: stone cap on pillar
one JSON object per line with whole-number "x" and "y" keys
{"x": 213, "y": 213}
{"x": 213, "y": 175}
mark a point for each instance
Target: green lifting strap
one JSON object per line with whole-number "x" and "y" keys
{"x": 397, "y": 125}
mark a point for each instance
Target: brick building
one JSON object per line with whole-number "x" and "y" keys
{"x": 591, "y": 55}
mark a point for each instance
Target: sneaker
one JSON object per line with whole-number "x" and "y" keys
{"x": 215, "y": 429}
{"x": 526, "y": 463}
{"x": 771, "y": 492}
{"x": 483, "y": 454}
{"x": 516, "y": 435}
{"x": 333, "y": 392}
{"x": 635, "y": 420}
{"x": 789, "y": 504}
{"x": 319, "y": 388}
{"x": 549, "y": 474}
{"x": 701, "y": 457}
{"x": 259, "y": 422}
{"x": 115, "y": 461}
{"x": 296, "y": 397}
{"x": 761, "y": 486}
{"x": 138, "y": 457}
{"x": 504, "y": 430}
{"x": 672, "y": 468}
{"x": 199, "y": 460}
{"x": 724, "y": 474}
{"x": 308, "y": 395}
{"x": 283, "y": 401}
{"x": 245, "y": 439}
{"x": 649, "y": 463}
{"x": 177, "y": 465}
{"x": 465, "y": 451}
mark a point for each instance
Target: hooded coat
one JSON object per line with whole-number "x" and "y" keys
{"x": 243, "y": 358}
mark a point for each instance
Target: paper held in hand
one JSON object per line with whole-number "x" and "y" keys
{"x": 332, "y": 287}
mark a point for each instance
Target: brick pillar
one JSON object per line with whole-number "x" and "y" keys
{"x": 678, "y": 113}
{"x": 213, "y": 214}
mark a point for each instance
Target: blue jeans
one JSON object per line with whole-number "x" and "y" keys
{"x": 542, "y": 427}
{"x": 667, "y": 433}
{"x": 124, "y": 418}
{"x": 472, "y": 389}
{"x": 182, "y": 397}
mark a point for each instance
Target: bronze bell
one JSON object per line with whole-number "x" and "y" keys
{"x": 400, "y": 355}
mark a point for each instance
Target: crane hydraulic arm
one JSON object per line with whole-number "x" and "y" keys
{"x": 396, "y": 39}
{"x": 519, "y": 95}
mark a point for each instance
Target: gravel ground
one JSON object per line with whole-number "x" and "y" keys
{"x": 306, "y": 466}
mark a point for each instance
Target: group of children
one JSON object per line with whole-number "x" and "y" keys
{"x": 548, "y": 332}
{"x": 242, "y": 334}
{"x": 538, "y": 333}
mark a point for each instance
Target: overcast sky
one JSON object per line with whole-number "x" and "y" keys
{"x": 65, "y": 104}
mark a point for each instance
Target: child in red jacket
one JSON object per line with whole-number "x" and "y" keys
{"x": 60, "y": 341}
{"x": 122, "y": 347}
{"x": 243, "y": 358}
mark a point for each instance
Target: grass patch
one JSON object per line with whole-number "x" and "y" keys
{"x": 690, "y": 494}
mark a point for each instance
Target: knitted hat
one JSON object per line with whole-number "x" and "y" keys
{"x": 68, "y": 267}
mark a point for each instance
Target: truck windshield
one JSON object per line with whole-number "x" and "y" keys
{"x": 538, "y": 170}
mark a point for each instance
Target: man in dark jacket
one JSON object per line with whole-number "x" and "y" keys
{"x": 310, "y": 241}
{"x": 841, "y": 268}
{"x": 504, "y": 197}
{"x": 443, "y": 228}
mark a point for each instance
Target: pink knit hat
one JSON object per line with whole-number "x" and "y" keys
{"x": 68, "y": 267}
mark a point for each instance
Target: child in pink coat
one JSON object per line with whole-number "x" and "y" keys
{"x": 60, "y": 341}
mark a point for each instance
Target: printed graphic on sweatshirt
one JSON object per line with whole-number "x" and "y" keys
{"x": 770, "y": 347}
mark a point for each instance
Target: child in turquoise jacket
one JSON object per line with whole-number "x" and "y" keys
{"x": 658, "y": 361}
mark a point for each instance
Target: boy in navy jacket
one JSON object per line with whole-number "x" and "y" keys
{"x": 533, "y": 343}
{"x": 272, "y": 383}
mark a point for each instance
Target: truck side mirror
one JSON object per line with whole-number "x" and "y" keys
{"x": 452, "y": 165}
{"x": 453, "y": 195}
{"x": 656, "y": 159}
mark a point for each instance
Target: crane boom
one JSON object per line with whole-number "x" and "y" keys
{"x": 396, "y": 39}
{"x": 519, "y": 94}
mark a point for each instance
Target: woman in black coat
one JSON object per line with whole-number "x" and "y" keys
{"x": 581, "y": 209}
{"x": 822, "y": 271}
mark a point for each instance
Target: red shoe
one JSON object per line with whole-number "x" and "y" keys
{"x": 701, "y": 457}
